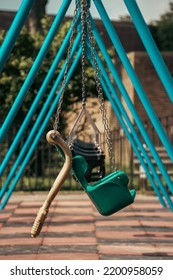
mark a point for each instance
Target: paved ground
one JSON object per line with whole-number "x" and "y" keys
{"x": 74, "y": 230}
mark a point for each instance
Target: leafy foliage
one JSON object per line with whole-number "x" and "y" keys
{"x": 20, "y": 62}
{"x": 162, "y": 30}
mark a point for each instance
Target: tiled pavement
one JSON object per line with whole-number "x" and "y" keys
{"x": 75, "y": 230}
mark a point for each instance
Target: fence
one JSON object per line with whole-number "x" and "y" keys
{"x": 136, "y": 174}
{"x": 46, "y": 162}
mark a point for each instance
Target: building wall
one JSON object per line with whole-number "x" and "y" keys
{"x": 6, "y": 19}
{"x": 150, "y": 82}
{"x": 127, "y": 34}
{"x": 125, "y": 30}
{"x": 153, "y": 88}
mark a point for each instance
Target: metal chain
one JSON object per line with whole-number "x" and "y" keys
{"x": 99, "y": 88}
{"x": 83, "y": 40}
{"x": 83, "y": 57}
{"x": 68, "y": 61}
{"x": 86, "y": 27}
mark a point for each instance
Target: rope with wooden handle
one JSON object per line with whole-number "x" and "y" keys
{"x": 54, "y": 138}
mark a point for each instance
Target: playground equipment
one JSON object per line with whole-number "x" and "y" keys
{"x": 91, "y": 151}
{"x": 163, "y": 193}
{"x": 109, "y": 194}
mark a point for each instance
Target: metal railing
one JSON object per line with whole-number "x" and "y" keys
{"x": 137, "y": 174}
{"x": 46, "y": 162}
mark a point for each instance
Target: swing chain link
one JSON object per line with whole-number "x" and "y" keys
{"x": 83, "y": 41}
{"x": 99, "y": 88}
{"x": 68, "y": 62}
{"x": 86, "y": 27}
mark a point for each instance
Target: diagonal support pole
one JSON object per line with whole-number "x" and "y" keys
{"x": 38, "y": 98}
{"x": 137, "y": 140}
{"x": 39, "y": 134}
{"x": 150, "y": 46}
{"x": 134, "y": 145}
{"x": 132, "y": 75}
{"x": 38, "y": 122}
{"x": 34, "y": 69}
{"x": 14, "y": 31}
{"x": 131, "y": 106}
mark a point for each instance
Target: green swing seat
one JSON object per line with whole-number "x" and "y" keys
{"x": 110, "y": 194}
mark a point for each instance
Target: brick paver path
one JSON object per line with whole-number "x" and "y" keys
{"x": 75, "y": 230}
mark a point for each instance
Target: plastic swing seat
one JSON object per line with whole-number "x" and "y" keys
{"x": 94, "y": 158}
{"x": 91, "y": 151}
{"x": 110, "y": 194}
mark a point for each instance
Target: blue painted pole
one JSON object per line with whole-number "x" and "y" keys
{"x": 134, "y": 145}
{"x": 14, "y": 30}
{"x": 131, "y": 106}
{"x": 39, "y": 96}
{"x": 150, "y": 46}
{"x": 39, "y": 134}
{"x": 135, "y": 136}
{"x": 34, "y": 69}
{"x": 37, "y": 123}
{"x": 137, "y": 85}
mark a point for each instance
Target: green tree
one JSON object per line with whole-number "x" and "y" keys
{"x": 38, "y": 11}
{"x": 18, "y": 65}
{"x": 162, "y": 30}
{"x": 125, "y": 18}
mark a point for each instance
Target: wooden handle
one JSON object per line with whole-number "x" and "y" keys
{"x": 53, "y": 138}
{"x": 39, "y": 221}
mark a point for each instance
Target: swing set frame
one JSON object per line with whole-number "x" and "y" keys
{"x": 47, "y": 111}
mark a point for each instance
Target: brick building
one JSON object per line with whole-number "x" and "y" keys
{"x": 125, "y": 30}
{"x": 151, "y": 84}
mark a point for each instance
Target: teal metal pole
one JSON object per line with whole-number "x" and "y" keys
{"x": 133, "y": 132}
{"x": 134, "y": 145}
{"x": 131, "y": 106}
{"x": 14, "y": 30}
{"x": 137, "y": 85}
{"x": 34, "y": 69}
{"x": 39, "y": 134}
{"x": 150, "y": 46}
{"x": 135, "y": 136}
{"x": 37, "y": 123}
{"x": 39, "y": 96}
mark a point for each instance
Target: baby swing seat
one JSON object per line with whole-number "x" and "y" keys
{"x": 94, "y": 157}
{"x": 110, "y": 194}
